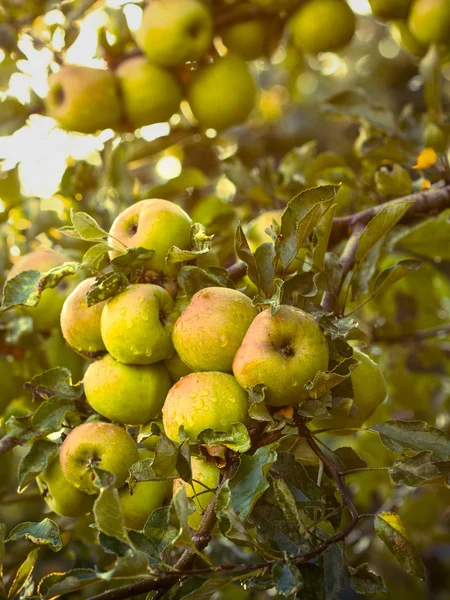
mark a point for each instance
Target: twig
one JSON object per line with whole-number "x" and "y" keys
{"x": 7, "y": 443}
{"x": 416, "y": 336}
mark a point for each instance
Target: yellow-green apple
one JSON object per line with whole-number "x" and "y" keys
{"x": 429, "y": 21}
{"x": 209, "y": 400}
{"x": 251, "y": 39}
{"x": 80, "y": 323}
{"x": 173, "y": 32}
{"x": 61, "y": 497}
{"x": 205, "y": 479}
{"x": 176, "y": 367}
{"x": 46, "y": 314}
{"x": 152, "y": 440}
{"x": 150, "y": 94}
{"x": 155, "y": 225}
{"x": 59, "y": 354}
{"x": 369, "y": 391}
{"x": 129, "y": 394}
{"x": 390, "y": 9}
{"x": 137, "y": 324}
{"x": 322, "y": 26}
{"x": 211, "y": 329}
{"x": 402, "y": 34}
{"x": 223, "y": 93}
{"x": 83, "y": 99}
{"x": 136, "y": 506}
{"x": 283, "y": 351}
{"x": 96, "y": 444}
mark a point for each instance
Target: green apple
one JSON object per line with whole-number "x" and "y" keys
{"x": 283, "y": 351}
{"x": 46, "y": 314}
{"x": 61, "y": 497}
{"x": 223, "y": 93}
{"x": 393, "y": 180}
{"x": 129, "y": 394}
{"x": 155, "y": 225}
{"x": 137, "y": 506}
{"x": 173, "y": 32}
{"x": 401, "y": 33}
{"x": 205, "y": 479}
{"x": 59, "y": 354}
{"x": 251, "y": 39}
{"x": 390, "y": 9}
{"x": 97, "y": 444}
{"x": 209, "y": 332}
{"x": 176, "y": 367}
{"x": 83, "y": 99}
{"x": 322, "y": 26}
{"x": 429, "y": 21}
{"x": 137, "y": 324}
{"x": 211, "y": 400}
{"x": 150, "y": 94}
{"x": 80, "y": 323}
{"x": 275, "y": 5}
{"x": 152, "y": 440}
{"x": 369, "y": 391}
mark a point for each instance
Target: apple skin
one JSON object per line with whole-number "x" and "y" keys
{"x": 80, "y": 324}
{"x": 283, "y": 351}
{"x": 61, "y": 497}
{"x": 108, "y": 446}
{"x": 429, "y": 21}
{"x": 46, "y": 314}
{"x": 137, "y": 325}
{"x": 136, "y": 507}
{"x": 84, "y": 99}
{"x": 205, "y": 474}
{"x": 199, "y": 401}
{"x": 150, "y": 94}
{"x": 390, "y": 9}
{"x": 209, "y": 332}
{"x": 176, "y": 367}
{"x": 128, "y": 394}
{"x": 322, "y": 26}
{"x": 369, "y": 389}
{"x": 401, "y": 33}
{"x": 223, "y": 93}
{"x": 249, "y": 39}
{"x": 153, "y": 224}
{"x": 173, "y": 32}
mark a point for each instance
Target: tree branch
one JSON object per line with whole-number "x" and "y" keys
{"x": 7, "y": 443}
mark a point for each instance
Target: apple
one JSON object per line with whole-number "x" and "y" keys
{"x": 211, "y": 329}
{"x": 136, "y": 506}
{"x": 284, "y": 352}
{"x": 429, "y": 21}
{"x": 176, "y": 367}
{"x": 322, "y": 26}
{"x": 155, "y": 225}
{"x": 61, "y": 497}
{"x": 205, "y": 479}
{"x": 83, "y": 99}
{"x": 173, "y": 32}
{"x": 46, "y": 314}
{"x": 211, "y": 400}
{"x": 401, "y": 33}
{"x": 150, "y": 93}
{"x": 390, "y": 9}
{"x": 369, "y": 391}
{"x": 251, "y": 39}
{"x": 393, "y": 180}
{"x": 103, "y": 445}
{"x": 80, "y": 323}
{"x": 223, "y": 93}
{"x": 137, "y": 324}
{"x": 129, "y": 394}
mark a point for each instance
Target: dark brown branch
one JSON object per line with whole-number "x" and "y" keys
{"x": 237, "y": 271}
{"x": 7, "y": 443}
{"x": 416, "y": 336}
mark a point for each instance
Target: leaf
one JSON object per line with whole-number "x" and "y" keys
{"x": 380, "y": 225}
{"x": 335, "y": 573}
{"x": 87, "y": 227}
{"x": 59, "y": 584}
{"x": 285, "y": 499}
{"x": 246, "y": 255}
{"x": 200, "y": 243}
{"x": 356, "y": 105}
{"x": 287, "y": 578}
{"x": 346, "y": 458}
{"x": 322, "y": 237}
{"x": 130, "y": 261}
{"x": 365, "y": 582}
{"x": 274, "y": 302}
{"x": 54, "y": 382}
{"x": 192, "y": 279}
{"x": 23, "y": 573}
{"x": 257, "y": 408}
{"x": 324, "y": 381}
{"x": 230, "y": 524}
{"x": 39, "y": 456}
{"x": 430, "y": 238}
{"x": 162, "y": 466}
{"x": 45, "y": 533}
{"x": 94, "y": 257}
{"x": 108, "y": 516}
{"x": 159, "y": 530}
{"x": 390, "y": 529}
{"x": 265, "y": 264}
{"x": 417, "y": 470}
{"x": 306, "y": 492}
{"x": 183, "y": 508}
{"x": 393, "y": 274}
{"x": 13, "y": 116}
{"x": 237, "y": 439}
{"x": 109, "y": 287}
{"x": 416, "y": 435}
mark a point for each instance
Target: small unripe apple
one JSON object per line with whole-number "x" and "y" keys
{"x": 176, "y": 367}
{"x": 205, "y": 479}
{"x": 223, "y": 93}
{"x": 211, "y": 400}
{"x": 211, "y": 329}
{"x": 429, "y": 21}
{"x": 322, "y": 26}
{"x": 129, "y": 394}
{"x": 83, "y": 99}
{"x": 150, "y": 94}
{"x": 155, "y": 225}
{"x": 390, "y": 9}
{"x": 250, "y": 39}
{"x": 137, "y": 325}
{"x": 80, "y": 323}
{"x": 284, "y": 351}
{"x": 173, "y": 32}
{"x": 61, "y": 497}
{"x": 103, "y": 445}
{"x": 46, "y": 314}
{"x": 136, "y": 506}
{"x": 401, "y": 33}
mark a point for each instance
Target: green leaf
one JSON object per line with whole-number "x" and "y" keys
{"x": 306, "y": 492}
{"x": 109, "y": 287}
{"x": 356, "y": 105}
{"x": 13, "y": 116}
{"x": 429, "y": 238}
{"x": 183, "y": 508}
{"x": 324, "y": 381}
{"x": 322, "y": 234}
{"x": 365, "y": 582}
{"x": 192, "y": 279}
{"x": 265, "y": 264}
{"x": 419, "y": 469}
{"x": 287, "y": 578}
{"x": 162, "y": 466}
{"x": 390, "y": 529}
{"x": 380, "y": 225}
{"x": 393, "y": 274}
{"x": 415, "y": 435}
{"x": 108, "y": 516}
{"x": 237, "y": 439}
{"x": 200, "y": 243}
{"x": 159, "y": 530}
{"x": 23, "y": 573}
{"x": 45, "y": 533}
{"x": 55, "y": 382}
{"x": 230, "y": 524}
{"x": 59, "y": 584}
{"x": 87, "y": 227}
{"x": 274, "y": 302}
{"x": 257, "y": 408}
{"x": 285, "y": 499}
{"x": 131, "y": 260}
{"x": 39, "y": 456}
{"x": 346, "y": 458}
{"x": 246, "y": 255}
{"x": 299, "y": 286}
{"x": 94, "y": 257}
{"x": 335, "y": 576}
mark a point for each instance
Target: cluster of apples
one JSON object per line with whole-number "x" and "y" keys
{"x": 179, "y": 61}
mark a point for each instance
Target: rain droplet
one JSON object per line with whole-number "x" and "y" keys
{"x": 205, "y": 393}
{"x": 193, "y": 395}
{"x": 223, "y": 341}
{"x": 233, "y": 400}
{"x": 148, "y": 352}
{"x": 130, "y": 324}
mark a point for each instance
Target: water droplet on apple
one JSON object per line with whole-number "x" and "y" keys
{"x": 223, "y": 341}
{"x": 193, "y": 395}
